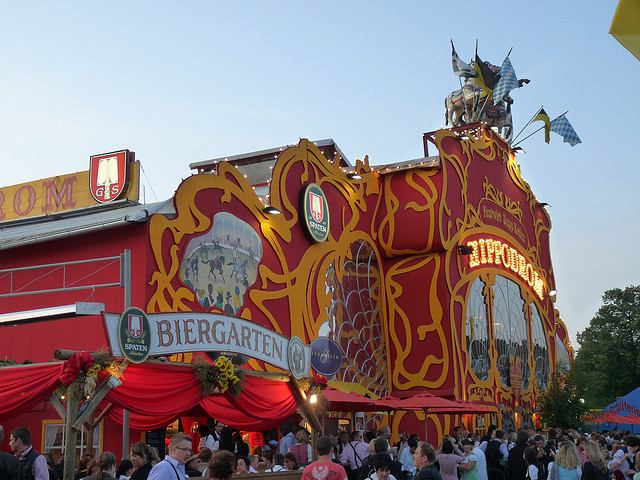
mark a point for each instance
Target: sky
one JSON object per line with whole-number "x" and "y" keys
{"x": 185, "y": 81}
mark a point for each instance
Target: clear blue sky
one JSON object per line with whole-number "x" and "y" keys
{"x": 184, "y": 81}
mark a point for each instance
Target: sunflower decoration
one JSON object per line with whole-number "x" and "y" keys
{"x": 222, "y": 375}
{"x": 82, "y": 371}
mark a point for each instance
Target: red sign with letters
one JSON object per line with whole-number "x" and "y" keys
{"x": 108, "y": 175}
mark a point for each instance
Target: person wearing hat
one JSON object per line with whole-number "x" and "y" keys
{"x": 191, "y": 468}
{"x": 228, "y": 308}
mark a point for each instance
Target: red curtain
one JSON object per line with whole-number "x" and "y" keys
{"x": 25, "y": 386}
{"x": 262, "y": 404}
{"x": 156, "y": 395}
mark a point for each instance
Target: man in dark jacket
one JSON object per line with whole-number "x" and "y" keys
{"x": 516, "y": 466}
{"x": 9, "y": 465}
{"x": 424, "y": 459}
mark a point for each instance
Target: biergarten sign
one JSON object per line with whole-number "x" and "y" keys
{"x": 181, "y": 332}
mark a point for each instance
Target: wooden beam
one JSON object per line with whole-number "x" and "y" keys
{"x": 71, "y": 435}
{"x": 303, "y": 406}
{"x": 101, "y": 416}
{"x": 57, "y": 404}
{"x": 98, "y": 395}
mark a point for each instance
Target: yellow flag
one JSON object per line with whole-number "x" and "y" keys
{"x": 542, "y": 115}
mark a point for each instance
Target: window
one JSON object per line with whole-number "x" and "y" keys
{"x": 510, "y": 330}
{"x": 54, "y": 438}
{"x": 540, "y": 349}
{"x": 562, "y": 355}
{"x": 477, "y": 331}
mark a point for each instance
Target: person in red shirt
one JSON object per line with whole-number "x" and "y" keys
{"x": 324, "y": 468}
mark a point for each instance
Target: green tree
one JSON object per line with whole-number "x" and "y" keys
{"x": 607, "y": 364}
{"x": 560, "y": 405}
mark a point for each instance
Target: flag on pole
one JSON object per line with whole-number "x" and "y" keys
{"x": 460, "y": 68}
{"x": 486, "y": 78}
{"x": 562, "y": 127}
{"x": 508, "y": 81}
{"x": 542, "y": 116}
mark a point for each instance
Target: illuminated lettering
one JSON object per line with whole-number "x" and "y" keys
{"x": 490, "y": 244}
{"x": 493, "y": 252}
{"x": 474, "y": 261}
{"x": 483, "y": 251}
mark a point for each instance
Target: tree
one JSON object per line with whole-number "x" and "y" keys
{"x": 560, "y": 405}
{"x": 607, "y": 364}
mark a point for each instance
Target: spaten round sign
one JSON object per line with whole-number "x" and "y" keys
{"x": 134, "y": 335}
{"x": 326, "y": 356}
{"x": 314, "y": 211}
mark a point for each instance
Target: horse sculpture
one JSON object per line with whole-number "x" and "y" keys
{"x": 469, "y": 104}
{"x": 460, "y": 102}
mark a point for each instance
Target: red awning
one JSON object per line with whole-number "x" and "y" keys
{"x": 156, "y": 395}
{"x": 352, "y": 402}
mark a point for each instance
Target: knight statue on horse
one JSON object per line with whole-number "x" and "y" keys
{"x": 484, "y": 97}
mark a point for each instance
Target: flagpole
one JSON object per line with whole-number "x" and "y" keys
{"x": 534, "y": 116}
{"x": 513, "y": 146}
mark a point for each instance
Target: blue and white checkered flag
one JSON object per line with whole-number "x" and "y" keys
{"x": 562, "y": 127}
{"x": 508, "y": 81}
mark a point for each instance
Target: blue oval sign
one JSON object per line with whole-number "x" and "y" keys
{"x": 326, "y": 356}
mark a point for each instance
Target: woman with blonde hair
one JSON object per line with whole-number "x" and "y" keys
{"x": 567, "y": 464}
{"x": 302, "y": 448}
{"x": 595, "y": 467}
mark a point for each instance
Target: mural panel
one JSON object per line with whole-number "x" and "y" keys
{"x": 220, "y": 265}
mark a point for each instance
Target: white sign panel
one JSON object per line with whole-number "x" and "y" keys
{"x": 181, "y": 332}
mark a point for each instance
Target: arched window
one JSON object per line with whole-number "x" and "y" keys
{"x": 510, "y": 330}
{"x": 540, "y": 349}
{"x": 562, "y": 355}
{"x": 477, "y": 331}
{"x": 355, "y": 319}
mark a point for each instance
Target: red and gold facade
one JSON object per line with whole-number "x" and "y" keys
{"x": 410, "y": 309}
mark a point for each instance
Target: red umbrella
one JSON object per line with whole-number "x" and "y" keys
{"x": 426, "y": 402}
{"x": 606, "y": 417}
{"x": 352, "y": 402}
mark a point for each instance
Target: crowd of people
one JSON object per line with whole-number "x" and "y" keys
{"x": 223, "y": 453}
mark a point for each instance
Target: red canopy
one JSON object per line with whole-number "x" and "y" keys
{"x": 352, "y": 402}
{"x": 608, "y": 417}
{"x": 156, "y": 394}
{"x": 423, "y": 401}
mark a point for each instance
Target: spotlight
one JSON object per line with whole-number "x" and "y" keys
{"x": 518, "y": 150}
{"x": 354, "y": 176}
{"x": 465, "y": 250}
{"x": 313, "y": 399}
{"x": 271, "y": 210}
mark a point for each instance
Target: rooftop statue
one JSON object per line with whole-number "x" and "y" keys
{"x": 484, "y": 97}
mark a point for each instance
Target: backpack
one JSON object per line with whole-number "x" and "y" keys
{"x": 493, "y": 454}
